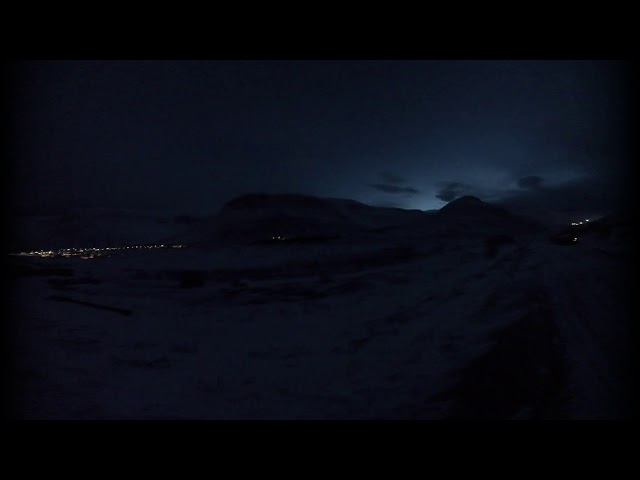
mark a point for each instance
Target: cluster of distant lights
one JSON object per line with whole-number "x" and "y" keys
{"x": 574, "y": 224}
{"x": 577, "y": 224}
{"x": 92, "y": 252}
{"x": 278, "y": 237}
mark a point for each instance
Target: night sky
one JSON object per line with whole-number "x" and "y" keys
{"x": 187, "y": 136}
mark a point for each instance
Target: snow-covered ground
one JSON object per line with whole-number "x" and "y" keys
{"x": 395, "y": 325}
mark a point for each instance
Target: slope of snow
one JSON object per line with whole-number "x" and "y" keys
{"x": 385, "y": 327}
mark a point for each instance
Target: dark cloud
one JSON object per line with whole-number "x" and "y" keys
{"x": 391, "y": 178}
{"x": 391, "y": 184}
{"x": 391, "y": 204}
{"x": 532, "y": 181}
{"x": 451, "y": 190}
{"x": 393, "y": 188}
{"x": 447, "y": 194}
{"x": 581, "y": 198}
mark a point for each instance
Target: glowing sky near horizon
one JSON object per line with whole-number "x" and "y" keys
{"x": 190, "y": 135}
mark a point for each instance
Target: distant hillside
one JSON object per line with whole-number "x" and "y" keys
{"x": 95, "y": 227}
{"x": 256, "y": 217}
